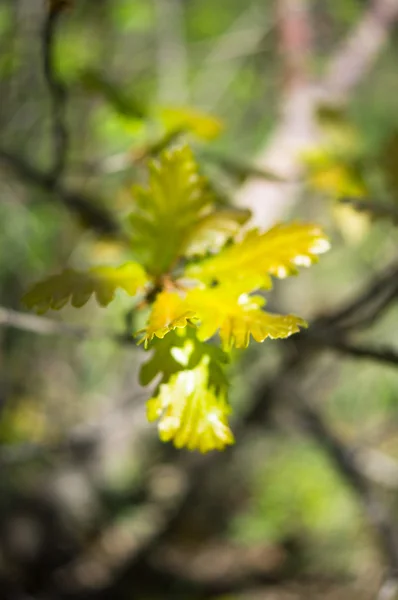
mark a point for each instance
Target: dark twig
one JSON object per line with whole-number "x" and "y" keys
{"x": 89, "y": 211}
{"x": 382, "y": 354}
{"x": 45, "y": 326}
{"x": 58, "y": 93}
{"x": 365, "y": 307}
{"x": 344, "y": 461}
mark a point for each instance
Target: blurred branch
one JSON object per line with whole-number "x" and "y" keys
{"x": 297, "y": 131}
{"x": 367, "y": 305}
{"x": 383, "y": 355}
{"x": 344, "y": 462}
{"x": 45, "y": 326}
{"x": 295, "y": 40}
{"x": 359, "y": 51}
{"x": 87, "y": 209}
{"x": 57, "y": 89}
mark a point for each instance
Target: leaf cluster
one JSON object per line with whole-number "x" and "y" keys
{"x": 199, "y": 269}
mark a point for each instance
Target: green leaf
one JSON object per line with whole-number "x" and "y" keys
{"x": 238, "y": 316}
{"x": 78, "y": 287}
{"x": 190, "y": 411}
{"x": 277, "y": 252}
{"x": 225, "y": 308}
{"x": 212, "y": 231}
{"x": 200, "y": 124}
{"x": 181, "y": 349}
{"x": 168, "y": 312}
{"x": 177, "y": 196}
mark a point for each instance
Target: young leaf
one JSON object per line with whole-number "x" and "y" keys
{"x": 164, "y": 212}
{"x": 169, "y": 312}
{"x": 277, "y": 252}
{"x": 78, "y": 287}
{"x": 238, "y": 316}
{"x": 190, "y": 412}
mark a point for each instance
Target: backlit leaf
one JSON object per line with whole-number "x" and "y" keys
{"x": 190, "y": 412}
{"x": 177, "y": 196}
{"x": 169, "y": 312}
{"x": 78, "y": 287}
{"x": 202, "y": 125}
{"x": 277, "y": 252}
{"x": 238, "y": 316}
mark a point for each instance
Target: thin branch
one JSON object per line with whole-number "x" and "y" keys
{"x": 366, "y": 306}
{"x": 344, "y": 461}
{"x": 297, "y": 130}
{"x": 328, "y": 339}
{"x": 57, "y": 89}
{"x": 89, "y": 211}
{"x": 46, "y": 326}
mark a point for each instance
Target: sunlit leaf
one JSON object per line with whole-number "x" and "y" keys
{"x": 177, "y": 196}
{"x": 211, "y": 232}
{"x": 169, "y": 312}
{"x": 190, "y": 412}
{"x": 78, "y": 287}
{"x": 238, "y": 316}
{"x": 277, "y": 252}
{"x": 200, "y": 124}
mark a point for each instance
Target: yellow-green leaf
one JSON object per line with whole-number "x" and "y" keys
{"x": 177, "y": 196}
{"x": 212, "y": 231}
{"x": 78, "y": 287}
{"x": 200, "y": 124}
{"x": 238, "y": 316}
{"x": 277, "y": 252}
{"x": 190, "y": 412}
{"x": 336, "y": 176}
{"x": 169, "y": 312}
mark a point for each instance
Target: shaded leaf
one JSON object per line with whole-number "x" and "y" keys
{"x": 78, "y": 287}
{"x": 180, "y": 350}
{"x": 190, "y": 412}
{"x": 277, "y": 252}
